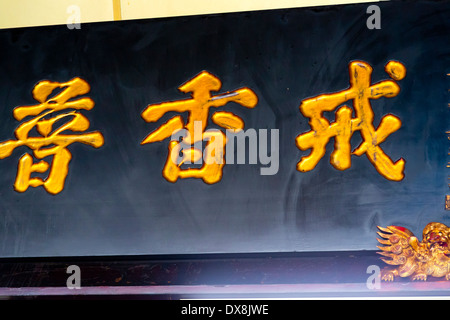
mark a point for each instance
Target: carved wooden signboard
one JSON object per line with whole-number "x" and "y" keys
{"x": 283, "y": 130}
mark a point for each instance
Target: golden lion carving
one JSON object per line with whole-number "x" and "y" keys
{"x": 414, "y": 258}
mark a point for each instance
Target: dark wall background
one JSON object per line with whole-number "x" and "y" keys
{"x": 115, "y": 199}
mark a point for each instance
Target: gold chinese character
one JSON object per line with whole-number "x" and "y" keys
{"x": 197, "y": 108}
{"x": 361, "y": 92}
{"x": 51, "y": 141}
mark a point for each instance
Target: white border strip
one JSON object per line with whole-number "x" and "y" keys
{"x": 409, "y": 289}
